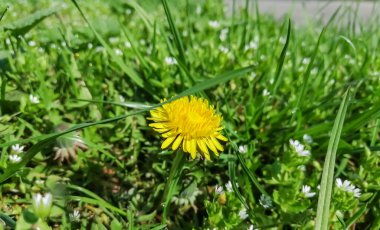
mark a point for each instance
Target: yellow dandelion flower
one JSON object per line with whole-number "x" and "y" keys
{"x": 190, "y": 123}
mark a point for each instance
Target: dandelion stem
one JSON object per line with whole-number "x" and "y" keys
{"x": 174, "y": 175}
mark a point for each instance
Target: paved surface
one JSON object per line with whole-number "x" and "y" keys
{"x": 303, "y": 12}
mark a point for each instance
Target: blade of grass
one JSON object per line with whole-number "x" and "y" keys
{"x": 128, "y": 71}
{"x": 281, "y": 60}
{"x": 232, "y": 175}
{"x": 174, "y": 31}
{"x": 324, "y": 199}
{"x": 8, "y": 220}
{"x": 307, "y": 76}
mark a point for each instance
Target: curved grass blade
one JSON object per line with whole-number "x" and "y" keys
{"x": 174, "y": 31}
{"x": 231, "y": 172}
{"x": 307, "y": 76}
{"x": 7, "y": 220}
{"x": 104, "y": 205}
{"x": 281, "y": 60}
{"x": 128, "y": 71}
{"x": 23, "y": 25}
{"x": 324, "y": 199}
{"x": 48, "y": 139}
{"x": 101, "y": 201}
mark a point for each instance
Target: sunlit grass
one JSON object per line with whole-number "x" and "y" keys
{"x": 96, "y": 70}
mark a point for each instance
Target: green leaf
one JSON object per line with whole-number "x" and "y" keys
{"x": 324, "y": 198}
{"x": 23, "y": 25}
{"x": 29, "y": 217}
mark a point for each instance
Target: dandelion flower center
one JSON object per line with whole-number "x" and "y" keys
{"x": 190, "y": 123}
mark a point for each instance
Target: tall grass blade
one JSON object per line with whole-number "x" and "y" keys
{"x": 324, "y": 198}
{"x": 174, "y": 31}
{"x": 281, "y": 60}
{"x": 128, "y": 71}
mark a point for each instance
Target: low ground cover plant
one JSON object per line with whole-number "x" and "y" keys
{"x": 161, "y": 114}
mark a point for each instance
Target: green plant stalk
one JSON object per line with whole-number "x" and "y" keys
{"x": 174, "y": 175}
{"x": 324, "y": 199}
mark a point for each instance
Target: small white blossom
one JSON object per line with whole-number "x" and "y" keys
{"x": 214, "y": 24}
{"x": 33, "y": 99}
{"x": 14, "y": 158}
{"x": 127, "y": 44}
{"x": 307, "y": 138}
{"x": 243, "y": 149}
{"x": 198, "y": 10}
{"x": 266, "y": 92}
{"x": 118, "y": 52}
{"x": 265, "y": 201}
{"x": 251, "y": 45}
{"x": 17, "y": 148}
{"x": 219, "y": 189}
{"x": 170, "y": 61}
{"x": 99, "y": 49}
{"x": 42, "y": 204}
{"x": 306, "y": 191}
{"x": 243, "y": 214}
{"x": 306, "y": 61}
{"x": 348, "y": 187}
{"x": 299, "y": 148}
{"x": 229, "y": 186}
{"x": 314, "y": 71}
{"x": 75, "y": 216}
{"x": 224, "y": 49}
{"x": 113, "y": 40}
{"x": 223, "y": 34}
{"x": 90, "y": 45}
{"x": 32, "y": 43}
{"x": 357, "y": 192}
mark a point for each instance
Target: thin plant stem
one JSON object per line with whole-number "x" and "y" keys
{"x": 174, "y": 175}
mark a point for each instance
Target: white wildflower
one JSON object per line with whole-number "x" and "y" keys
{"x": 42, "y": 204}
{"x": 243, "y": 214}
{"x": 170, "y": 61}
{"x": 252, "y": 45}
{"x": 127, "y": 44}
{"x": 118, "y": 52}
{"x": 229, "y": 186}
{"x": 224, "y": 49}
{"x": 90, "y": 45}
{"x": 314, "y": 71}
{"x": 307, "y": 138}
{"x": 214, "y": 24}
{"x": 99, "y": 49}
{"x": 348, "y": 187}
{"x": 75, "y": 216}
{"x": 266, "y": 92}
{"x": 18, "y": 148}
{"x": 299, "y": 148}
{"x": 223, "y": 34}
{"x": 113, "y": 40}
{"x": 14, "y": 158}
{"x": 33, "y": 99}
{"x": 265, "y": 201}
{"x": 219, "y": 189}
{"x": 306, "y": 61}
{"x": 32, "y": 43}
{"x": 243, "y": 149}
{"x": 198, "y": 10}
{"x": 306, "y": 191}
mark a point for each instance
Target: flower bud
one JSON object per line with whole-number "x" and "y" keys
{"x": 42, "y": 204}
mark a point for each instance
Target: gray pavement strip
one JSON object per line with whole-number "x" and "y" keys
{"x": 304, "y": 12}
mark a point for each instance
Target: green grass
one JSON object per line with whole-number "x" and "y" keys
{"x": 98, "y": 68}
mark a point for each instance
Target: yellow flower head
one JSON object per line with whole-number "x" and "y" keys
{"x": 189, "y": 122}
